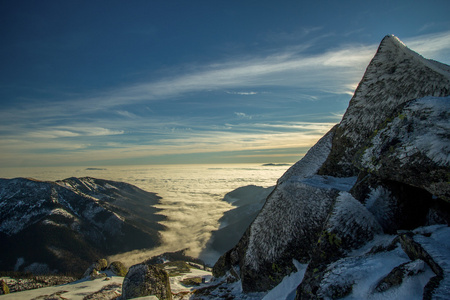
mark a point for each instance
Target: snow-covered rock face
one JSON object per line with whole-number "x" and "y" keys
{"x": 414, "y": 146}
{"x": 384, "y": 168}
{"x": 394, "y": 76}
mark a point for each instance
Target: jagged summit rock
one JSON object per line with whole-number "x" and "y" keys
{"x": 383, "y": 168}
{"x": 395, "y": 75}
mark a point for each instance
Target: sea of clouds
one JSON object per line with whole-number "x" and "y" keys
{"x": 192, "y": 197}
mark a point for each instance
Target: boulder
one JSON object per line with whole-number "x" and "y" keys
{"x": 118, "y": 268}
{"x": 146, "y": 280}
{"x": 4, "y": 289}
{"x": 399, "y": 273}
{"x": 99, "y": 265}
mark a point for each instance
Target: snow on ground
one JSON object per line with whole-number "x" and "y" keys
{"x": 112, "y": 286}
{"x": 74, "y": 291}
{"x": 365, "y": 271}
{"x": 287, "y": 288}
{"x": 178, "y": 287}
{"x": 438, "y": 246}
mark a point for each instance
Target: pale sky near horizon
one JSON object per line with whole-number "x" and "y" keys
{"x": 95, "y": 83}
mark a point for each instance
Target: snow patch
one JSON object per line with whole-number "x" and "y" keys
{"x": 287, "y": 289}
{"x": 438, "y": 246}
{"x": 421, "y": 128}
{"x": 362, "y": 273}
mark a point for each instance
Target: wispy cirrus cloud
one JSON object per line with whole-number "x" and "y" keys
{"x": 242, "y": 115}
{"x": 107, "y": 126}
{"x": 242, "y": 93}
{"x": 336, "y": 70}
{"x": 65, "y": 131}
{"x": 435, "y": 46}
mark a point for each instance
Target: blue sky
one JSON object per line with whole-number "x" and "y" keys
{"x": 147, "y": 82}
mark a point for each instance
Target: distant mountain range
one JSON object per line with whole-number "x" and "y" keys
{"x": 64, "y": 226}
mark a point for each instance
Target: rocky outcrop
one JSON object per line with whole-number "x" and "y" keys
{"x": 118, "y": 268}
{"x": 384, "y": 168}
{"x": 146, "y": 280}
{"x": 395, "y": 76}
{"x": 412, "y": 146}
{"x": 4, "y": 289}
{"x": 99, "y": 265}
{"x": 24, "y": 282}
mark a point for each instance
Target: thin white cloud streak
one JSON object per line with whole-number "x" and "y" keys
{"x": 435, "y": 46}
{"x": 242, "y": 115}
{"x": 335, "y": 71}
{"x": 242, "y": 93}
{"x": 180, "y": 144}
{"x": 66, "y": 131}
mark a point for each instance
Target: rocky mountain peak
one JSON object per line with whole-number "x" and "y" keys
{"x": 382, "y": 170}
{"x": 395, "y": 76}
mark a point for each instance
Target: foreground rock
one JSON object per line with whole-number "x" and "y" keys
{"x": 4, "y": 289}
{"x": 384, "y": 168}
{"x": 31, "y": 282}
{"x": 118, "y": 268}
{"x": 146, "y": 280}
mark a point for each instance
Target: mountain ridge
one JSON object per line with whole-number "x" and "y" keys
{"x": 73, "y": 222}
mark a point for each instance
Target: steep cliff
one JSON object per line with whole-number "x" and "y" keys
{"x": 384, "y": 168}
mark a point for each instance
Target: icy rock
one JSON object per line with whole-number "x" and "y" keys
{"x": 397, "y": 275}
{"x": 413, "y": 146}
{"x": 146, "y": 280}
{"x": 395, "y": 76}
{"x": 286, "y": 229}
{"x": 348, "y": 227}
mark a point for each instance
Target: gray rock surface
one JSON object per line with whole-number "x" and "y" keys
{"x": 146, "y": 280}
{"x": 118, "y": 268}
